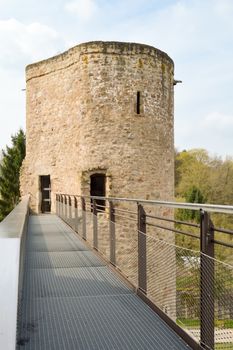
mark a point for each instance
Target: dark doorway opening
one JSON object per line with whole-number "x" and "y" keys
{"x": 45, "y": 188}
{"x": 98, "y": 184}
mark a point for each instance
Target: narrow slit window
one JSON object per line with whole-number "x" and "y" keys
{"x": 138, "y": 102}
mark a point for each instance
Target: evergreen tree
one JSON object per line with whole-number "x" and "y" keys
{"x": 9, "y": 173}
{"x": 193, "y": 195}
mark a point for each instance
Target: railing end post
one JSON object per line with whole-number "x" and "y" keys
{"x": 84, "y": 234}
{"x": 112, "y": 233}
{"x": 207, "y": 279}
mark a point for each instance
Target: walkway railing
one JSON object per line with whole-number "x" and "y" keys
{"x": 182, "y": 269}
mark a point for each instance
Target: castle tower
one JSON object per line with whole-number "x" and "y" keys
{"x": 100, "y": 122}
{"x": 101, "y": 111}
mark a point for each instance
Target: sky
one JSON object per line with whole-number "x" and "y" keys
{"x": 196, "y": 34}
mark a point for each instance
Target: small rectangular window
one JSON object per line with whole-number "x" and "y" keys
{"x": 138, "y": 102}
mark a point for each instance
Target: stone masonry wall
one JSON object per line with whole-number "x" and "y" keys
{"x": 81, "y": 117}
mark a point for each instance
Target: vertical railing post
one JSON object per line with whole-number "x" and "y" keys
{"x": 58, "y": 206}
{"x": 75, "y": 214}
{"x": 207, "y": 282}
{"x": 95, "y": 226}
{"x": 112, "y": 234}
{"x": 65, "y": 216}
{"x": 62, "y": 206}
{"x": 70, "y": 210}
{"x": 142, "y": 278}
{"x": 84, "y": 234}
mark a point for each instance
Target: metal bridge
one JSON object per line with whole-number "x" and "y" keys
{"x": 57, "y": 292}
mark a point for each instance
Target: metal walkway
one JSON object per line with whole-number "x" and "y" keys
{"x": 73, "y": 301}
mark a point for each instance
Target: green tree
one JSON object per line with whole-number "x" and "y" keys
{"x": 193, "y": 195}
{"x": 211, "y": 175}
{"x": 202, "y": 178}
{"x": 192, "y": 168}
{"x": 9, "y": 173}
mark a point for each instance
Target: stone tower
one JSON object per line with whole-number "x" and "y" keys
{"x": 103, "y": 108}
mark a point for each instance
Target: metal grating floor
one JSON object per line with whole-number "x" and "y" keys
{"x": 72, "y": 301}
{"x": 45, "y": 260}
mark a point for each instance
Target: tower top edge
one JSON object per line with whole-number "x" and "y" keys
{"x": 108, "y": 47}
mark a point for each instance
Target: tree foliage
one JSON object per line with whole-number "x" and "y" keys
{"x": 9, "y": 173}
{"x": 201, "y": 178}
{"x": 212, "y": 176}
{"x": 193, "y": 195}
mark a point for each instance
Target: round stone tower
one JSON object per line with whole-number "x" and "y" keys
{"x": 102, "y": 109}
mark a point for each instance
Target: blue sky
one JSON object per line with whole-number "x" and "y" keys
{"x": 198, "y": 35}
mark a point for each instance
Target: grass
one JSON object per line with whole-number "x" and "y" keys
{"x": 223, "y": 346}
{"x": 195, "y": 323}
{"x": 188, "y": 322}
{"x": 224, "y": 323}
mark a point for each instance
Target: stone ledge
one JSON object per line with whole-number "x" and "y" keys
{"x": 12, "y": 226}
{"x": 12, "y": 234}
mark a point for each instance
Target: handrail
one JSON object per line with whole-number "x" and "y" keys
{"x": 161, "y": 269}
{"x": 226, "y": 209}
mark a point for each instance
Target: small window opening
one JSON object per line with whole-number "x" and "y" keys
{"x": 138, "y": 102}
{"x": 98, "y": 185}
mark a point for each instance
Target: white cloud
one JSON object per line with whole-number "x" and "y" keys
{"x": 84, "y": 9}
{"x": 20, "y": 44}
{"x": 12, "y": 104}
{"x": 26, "y": 42}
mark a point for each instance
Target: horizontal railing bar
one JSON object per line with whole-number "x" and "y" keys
{"x": 229, "y": 245}
{"x": 227, "y": 209}
{"x": 99, "y": 205}
{"x": 223, "y": 230}
{"x": 101, "y": 211}
{"x": 175, "y": 221}
{"x": 173, "y": 230}
{"x": 126, "y": 217}
{"x": 126, "y": 211}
